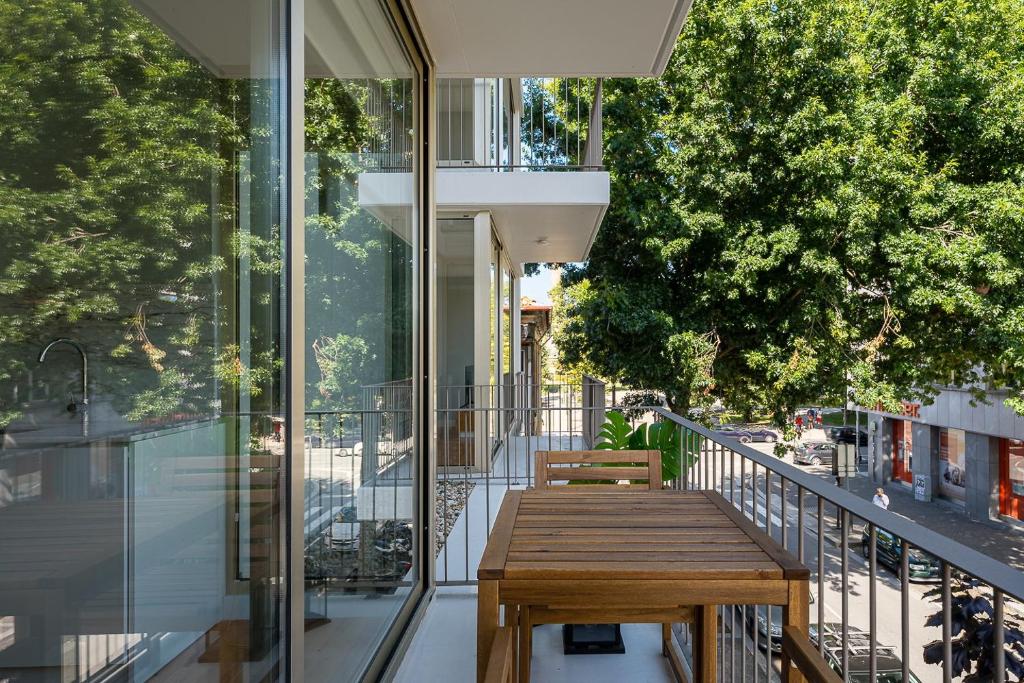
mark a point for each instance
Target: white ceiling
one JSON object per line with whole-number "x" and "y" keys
{"x": 550, "y": 38}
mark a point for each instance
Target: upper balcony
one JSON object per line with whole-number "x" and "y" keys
{"x": 526, "y": 150}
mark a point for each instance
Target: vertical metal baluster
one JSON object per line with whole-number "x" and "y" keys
{"x": 465, "y": 476}
{"x": 704, "y": 465}
{"x": 768, "y": 501}
{"x": 445, "y": 471}
{"x": 743, "y": 644}
{"x": 905, "y": 608}
{"x": 998, "y": 657}
{"x": 872, "y": 603}
{"x": 721, "y": 639}
{"x": 800, "y": 523}
{"x": 784, "y": 515}
{"x": 743, "y": 487}
{"x": 757, "y": 633}
{"x": 732, "y": 478}
{"x": 844, "y": 545}
{"x": 732, "y": 643}
{"x": 721, "y": 478}
{"x": 947, "y": 625}
{"x": 821, "y": 575}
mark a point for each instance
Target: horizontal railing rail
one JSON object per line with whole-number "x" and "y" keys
{"x": 979, "y": 565}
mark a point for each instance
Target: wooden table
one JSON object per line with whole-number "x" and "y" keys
{"x": 637, "y": 551}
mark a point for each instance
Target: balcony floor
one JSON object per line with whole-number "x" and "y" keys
{"x": 444, "y": 649}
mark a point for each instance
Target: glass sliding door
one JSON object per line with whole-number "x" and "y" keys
{"x": 142, "y": 312}
{"x": 362, "y": 250}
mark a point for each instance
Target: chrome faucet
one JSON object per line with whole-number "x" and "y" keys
{"x": 85, "y": 376}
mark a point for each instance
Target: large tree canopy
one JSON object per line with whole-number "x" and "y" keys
{"x": 815, "y": 195}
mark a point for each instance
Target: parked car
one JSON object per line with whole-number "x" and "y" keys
{"x": 776, "y": 625}
{"x": 815, "y": 453}
{"x": 745, "y": 434}
{"x": 922, "y": 566}
{"x": 889, "y": 666}
{"x": 846, "y": 435}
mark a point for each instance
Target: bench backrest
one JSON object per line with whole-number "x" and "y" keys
{"x": 641, "y": 469}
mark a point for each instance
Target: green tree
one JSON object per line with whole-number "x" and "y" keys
{"x": 814, "y": 195}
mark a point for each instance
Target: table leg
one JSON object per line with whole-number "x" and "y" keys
{"x": 794, "y": 613}
{"x": 486, "y": 624}
{"x": 525, "y": 643}
{"x": 707, "y": 638}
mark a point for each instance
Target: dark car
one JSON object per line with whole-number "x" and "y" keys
{"x": 776, "y": 625}
{"x": 746, "y": 434}
{"x": 846, "y": 435}
{"x": 814, "y": 453}
{"x": 889, "y": 666}
{"x": 922, "y": 566}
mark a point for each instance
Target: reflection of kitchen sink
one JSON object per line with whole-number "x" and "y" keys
{"x": 52, "y": 425}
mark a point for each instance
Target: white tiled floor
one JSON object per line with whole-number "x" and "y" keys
{"x": 444, "y": 650}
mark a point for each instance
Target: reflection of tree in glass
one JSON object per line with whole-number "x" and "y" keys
{"x": 120, "y": 163}
{"x": 358, "y": 265}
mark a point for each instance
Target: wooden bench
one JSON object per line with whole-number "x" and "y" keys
{"x": 600, "y": 466}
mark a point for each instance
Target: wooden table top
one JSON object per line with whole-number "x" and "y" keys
{"x": 673, "y": 535}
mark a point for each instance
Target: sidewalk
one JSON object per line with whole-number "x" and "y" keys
{"x": 999, "y": 542}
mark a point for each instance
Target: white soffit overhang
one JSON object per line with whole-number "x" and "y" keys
{"x": 540, "y": 217}
{"x": 544, "y": 38}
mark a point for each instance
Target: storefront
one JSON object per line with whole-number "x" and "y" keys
{"x": 960, "y": 451}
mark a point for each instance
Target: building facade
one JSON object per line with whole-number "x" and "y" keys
{"x": 967, "y": 452}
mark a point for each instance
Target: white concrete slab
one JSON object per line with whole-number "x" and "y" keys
{"x": 444, "y": 649}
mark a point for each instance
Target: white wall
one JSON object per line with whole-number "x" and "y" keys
{"x": 457, "y": 329}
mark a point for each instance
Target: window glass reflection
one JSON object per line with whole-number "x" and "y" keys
{"x": 141, "y": 312}
{"x": 360, "y": 554}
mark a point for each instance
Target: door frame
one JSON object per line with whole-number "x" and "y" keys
{"x": 1010, "y": 504}
{"x": 902, "y": 440}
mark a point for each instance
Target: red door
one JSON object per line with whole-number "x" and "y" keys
{"x": 1011, "y": 478}
{"x": 902, "y": 447}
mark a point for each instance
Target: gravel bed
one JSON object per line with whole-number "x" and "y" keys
{"x": 450, "y": 499}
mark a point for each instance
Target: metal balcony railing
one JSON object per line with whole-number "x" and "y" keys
{"x": 815, "y": 519}
{"x": 529, "y": 124}
{"x": 486, "y": 438}
{"x": 867, "y": 623}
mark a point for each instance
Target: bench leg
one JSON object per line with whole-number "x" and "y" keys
{"x": 706, "y": 661}
{"x": 525, "y": 643}
{"x": 486, "y": 625}
{"x": 794, "y": 613}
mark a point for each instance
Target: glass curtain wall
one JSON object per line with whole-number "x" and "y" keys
{"x": 362, "y": 242}
{"x": 142, "y": 313}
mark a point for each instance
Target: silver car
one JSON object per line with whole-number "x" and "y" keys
{"x": 815, "y": 453}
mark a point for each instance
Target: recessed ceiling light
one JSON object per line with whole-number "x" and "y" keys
{"x": 543, "y": 241}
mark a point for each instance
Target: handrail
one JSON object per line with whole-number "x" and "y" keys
{"x": 988, "y": 570}
{"x": 797, "y": 647}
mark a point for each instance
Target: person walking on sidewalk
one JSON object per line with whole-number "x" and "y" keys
{"x": 880, "y": 499}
